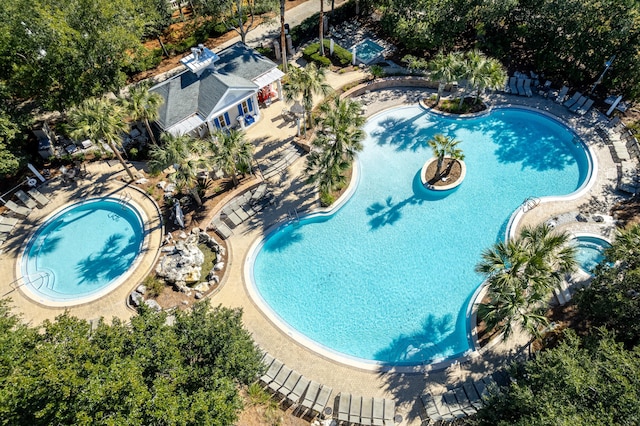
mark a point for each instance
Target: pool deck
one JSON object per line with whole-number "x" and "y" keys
{"x": 104, "y": 179}
{"x": 271, "y": 134}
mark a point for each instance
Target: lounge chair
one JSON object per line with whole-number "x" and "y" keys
{"x": 289, "y": 384}
{"x": 241, "y": 214}
{"x": 452, "y": 403}
{"x": 299, "y": 390}
{"x": 578, "y": 104}
{"x": 389, "y": 412}
{"x": 221, "y": 229}
{"x": 472, "y": 395}
{"x": 464, "y": 401}
{"x": 322, "y": 399}
{"x": 16, "y": 209}
{"x": 512, "y": 85}
{"x": 354, "y": 409}
{"x": 436, "y": 408}
{"x": 272, "y": 372}
{"x": 40, "y": 198}
{"x": 344, "y": 402}
{"x": 378, "y": 412}
{"x": 310, "y": 395}
{"x": 26, "y": 200}
{"x": 576, "y": 96}
{"x": 562, "y": 94}
{"x": 527, "y": 87}
{"x": 280, "y": 378}
{"x": 233, "y": 219}
{"x": 8, "y": 220}
{"x": 521, "y": 91}
{"x": 586, "y": 107}
{"x": 366, "y": 412}
{"x": 5, "y": 228}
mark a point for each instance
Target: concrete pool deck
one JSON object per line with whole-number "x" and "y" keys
{"x": 271, "y": 134}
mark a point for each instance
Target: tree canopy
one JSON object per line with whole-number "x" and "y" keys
{"x": 146, "y": 372}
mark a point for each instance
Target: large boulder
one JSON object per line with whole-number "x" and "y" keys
{"x": 184, "y": 263}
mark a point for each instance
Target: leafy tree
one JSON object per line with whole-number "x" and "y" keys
{"x": 146, "y": 372}
{"x": 445, "y": 146}
{"x": 60, "y": 53}
{"x": 520, "y": 275}
{"x": 183, "y": 153}
{"x": 612, "y": 299}
{"x": 231, "y": 152}
{"x": 303, "y": 83}
{"x": 9, "y": 162}
{"x": 580, "y": 383}
{"x": 237, "y": 15}
{"x": 144, "y": 105}
{"x": 100, "y": 120}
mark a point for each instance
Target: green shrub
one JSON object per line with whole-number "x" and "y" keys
{"x": 326, "y": 199}
{"x": 154, "y": 285}
{"x": 376, "y": 71}
{"x": 323, "y": 61}
{"x": 341, "y": 56}
{"x": 133, "y": 153}
{"x": 186, "y": 44}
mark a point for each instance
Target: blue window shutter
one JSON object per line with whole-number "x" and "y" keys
{"x": 249, "y": 104}
{"x": 240, "y": 109}
{"x": 226, "y": 117}
{"x": 216, "y": 122}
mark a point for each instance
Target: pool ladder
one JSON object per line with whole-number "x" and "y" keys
{"x": 43, "y": 276}
{"x": 125, "y": 198}
{"x": 293, "y": 216}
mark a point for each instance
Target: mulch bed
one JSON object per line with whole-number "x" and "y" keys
{"x": 450, "y": 172}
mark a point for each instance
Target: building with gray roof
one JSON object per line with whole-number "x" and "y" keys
{"x": 217, "y": 90}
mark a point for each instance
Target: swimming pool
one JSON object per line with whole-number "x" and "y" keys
{"x": 388, "y": 277}
{"x": 590, "y": 251}
{"x": 367, "y": 51}
{"x": 83, "y": 251}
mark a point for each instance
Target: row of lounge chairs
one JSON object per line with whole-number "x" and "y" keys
{"x": 456, "y": 403}
{"x": 579, "y": 104}
{"x": 619, "y": 138}
{"x": 246, "y": 205}
{"x": 6, "y": 226}
{"x": 308, "y": 396}
{"x": 356, "y": 410}
{"x": 520, "y": 86}
{"x": 31, "y": 201}
{"x": 289, "y": 155}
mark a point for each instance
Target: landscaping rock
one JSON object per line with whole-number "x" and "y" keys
{"x": 213, "y": 283}
{"x": 598, "y": 218}
{"x": 218, "y": 266}
{"x": 162, "y": 184}
{"x": 142, "y": 289}
{"x": 136, "y": 298}
{"x": 199, "y": 295}
{"x": 582, "y": 218}
{"x": 201, "y": 287}
{"x": 153, "y": 305}
{"x": 183, "y": 264}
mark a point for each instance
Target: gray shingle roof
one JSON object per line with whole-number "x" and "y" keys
{"x": 187, "y": 93}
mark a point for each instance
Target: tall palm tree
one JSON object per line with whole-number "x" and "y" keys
{"x": 480, "y": 72}
{"x": 183, "y": 153}
{"x": 520, "y": 275}
{"x": 625, "y": 249}
{"x": 339, "y": 140}
{"x": 303, "y": 83}
{"x": 100, "y": 119}
{"x": 321, "y": 29}
{"x": 143, "y": 105}
{"x": 283, "y": 37}
{"x": 231, "y": 152}
{"x": 444, "y": 146}
{"x": 444, "y": 69}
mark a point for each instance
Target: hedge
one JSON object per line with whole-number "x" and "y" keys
{"x": 341, "y": 56}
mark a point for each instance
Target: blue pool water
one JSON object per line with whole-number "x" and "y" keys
{"x": 388, "y": 277}
{"x": 82, "y": 249}
{"x": 590, "y": 251}
{"x": 367, "y": 50}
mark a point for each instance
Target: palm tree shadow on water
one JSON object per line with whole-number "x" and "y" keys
{"x": 403, "y": 133}
{"x": 414, "y": 352}
{"x": 388, "y": 212}
{"x": 111, "y": 262}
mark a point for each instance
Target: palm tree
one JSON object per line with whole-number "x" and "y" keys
{"x": 444, "y": 69}
{"x": 321, "y": 30}
{"x": 625, "y": 249}
{"x": 100, "y": 119}
{"x": 520, "y": 275}
{"x": 283, "y": 37}
{"x": 303, "y": 83}
{"x": 339, "y": 140}
{"x": 231, "y": 152}
{"x": 445, "y": 146}
{"x": 183, "y": 153}
{"x": 480, "y": 72}
{"x": 143, "y": 106}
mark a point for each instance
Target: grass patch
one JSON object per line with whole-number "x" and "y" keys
{"x": 210, "y": 257}
{"x": 154, "y": 285}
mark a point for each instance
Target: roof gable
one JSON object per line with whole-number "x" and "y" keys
{"x": 243, "y": 61}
